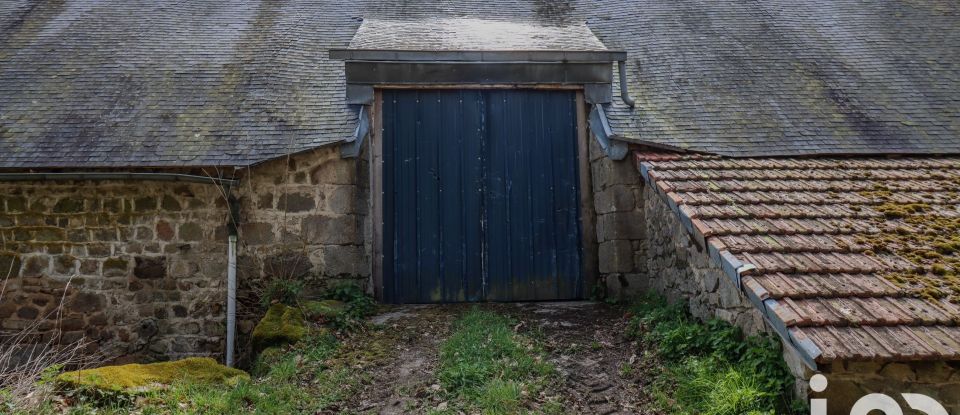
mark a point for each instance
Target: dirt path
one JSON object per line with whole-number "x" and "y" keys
{"x": 587, "y": 343}
{"x": 584, "y": 340}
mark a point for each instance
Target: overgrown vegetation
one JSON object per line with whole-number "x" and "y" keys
{"x": 711, "y": 368}
{"x": 310, "y": 375}
{"x": 486, "y": 367}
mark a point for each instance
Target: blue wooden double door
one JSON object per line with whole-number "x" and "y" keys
{"x": 480, "y": 196}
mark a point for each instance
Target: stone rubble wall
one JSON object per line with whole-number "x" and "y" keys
{"x": 681, "y": 270}
{"x": 138, "y": 267}
{"x": 141, "y": 266}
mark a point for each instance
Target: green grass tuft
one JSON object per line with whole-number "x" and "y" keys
{"x": 711, "y": 367}
{"x": 490, "y": 368}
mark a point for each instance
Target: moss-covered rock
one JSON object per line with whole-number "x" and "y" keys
{"x": 140, "y": 377}
{"x": 324, "y": 310}
{"x": 282, "y": 325}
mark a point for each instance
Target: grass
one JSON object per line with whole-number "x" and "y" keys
{"x": 486, "y": 367}
{"x": 292, "y": 380}
{"x": 711, "y": 368}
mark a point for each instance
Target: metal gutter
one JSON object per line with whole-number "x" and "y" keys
{"x": 624, "y": 91}
{"x": 162, "y": 177}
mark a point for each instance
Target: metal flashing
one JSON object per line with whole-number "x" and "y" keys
{"x": 730, "y": 264}
{"x": 806, "y": 349}
{"x": 473, "y": 56}
{"x": 352, "y": 146}
{"x": 601, "y": 130}
{"x": 161, "y": 177}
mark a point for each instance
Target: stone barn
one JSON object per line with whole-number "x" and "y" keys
{"x": 787, "y": 166}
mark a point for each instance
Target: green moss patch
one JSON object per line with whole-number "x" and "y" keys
{"x": 325, "y": 310}
{"x": 282, "y": 325}
{"x": 139, "y": 377}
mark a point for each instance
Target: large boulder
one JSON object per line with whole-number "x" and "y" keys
{"x": 282, "y": 325}
{"x": 135, "y": 377}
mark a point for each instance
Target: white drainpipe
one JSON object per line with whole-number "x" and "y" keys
{"x": 231, "y": 298}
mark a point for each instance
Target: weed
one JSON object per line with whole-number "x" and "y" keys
{"x": 712, "y": 368}
{"x": 282, "y": 291}
{"x": 711, "y": 386}
{"x": 358, "y": 306}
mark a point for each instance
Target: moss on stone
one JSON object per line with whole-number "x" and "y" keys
{"x": 324, "y": 310}
{"x": 281, "y": 325}
{"x": 140, "y": 377}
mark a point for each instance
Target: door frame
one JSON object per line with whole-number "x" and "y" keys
{"x": 588, "y": 217}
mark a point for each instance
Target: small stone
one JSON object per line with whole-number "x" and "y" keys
{"x": 191, "y": 232}
{"x": 87, "y": 302}
{"x": 265, "y": 201}
{"x": 169, "y": 203}
{"x": 69, "y": 205}
{"x": 115, "y": 267}
{"x": 50, "y": 234}
{"x": 16, "y": 204}
{"x": 296, "y": 202}
{"x": 150, "y": 267}
{"x": 28, "y": 313}
{"x": 334, "y": 171}
{"x": 257, "y": 233}
{"x": 164, "y": 231}
{"x": 35, "y": 266}
{"x": 330, "y": 229}
{"x": 145, "y": 204}
{"x": 64, "y": 264}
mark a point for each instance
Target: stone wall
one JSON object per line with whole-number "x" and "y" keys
{"x": 138, "y": 267}
{"x": 680, "y": 269}
{"x": 303, "y": 218}
{"x": 141, "y": 266}
{"x": 618, "y": 203}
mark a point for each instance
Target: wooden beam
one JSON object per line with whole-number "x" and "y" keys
{"x": 588, "y": 214}
{"x": 376, "y": 194}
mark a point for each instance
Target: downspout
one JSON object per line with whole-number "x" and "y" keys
{"x": 234, "y": 206}
{"x": 624, "y": 93}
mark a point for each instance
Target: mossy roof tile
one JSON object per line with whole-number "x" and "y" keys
{"x": 860, "y": 253}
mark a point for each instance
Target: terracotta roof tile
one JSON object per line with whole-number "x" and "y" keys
{"x": 855, "y": 256}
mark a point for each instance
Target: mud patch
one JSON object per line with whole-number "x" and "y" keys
{"x": 402, "y": 380}
{"x": 601, "y": 371}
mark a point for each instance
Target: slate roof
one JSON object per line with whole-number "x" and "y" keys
{"x": 850, "y": 258}
{"x": 87, "y": 83}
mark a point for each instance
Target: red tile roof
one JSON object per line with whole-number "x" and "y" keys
{"x": 848, "y": 258}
